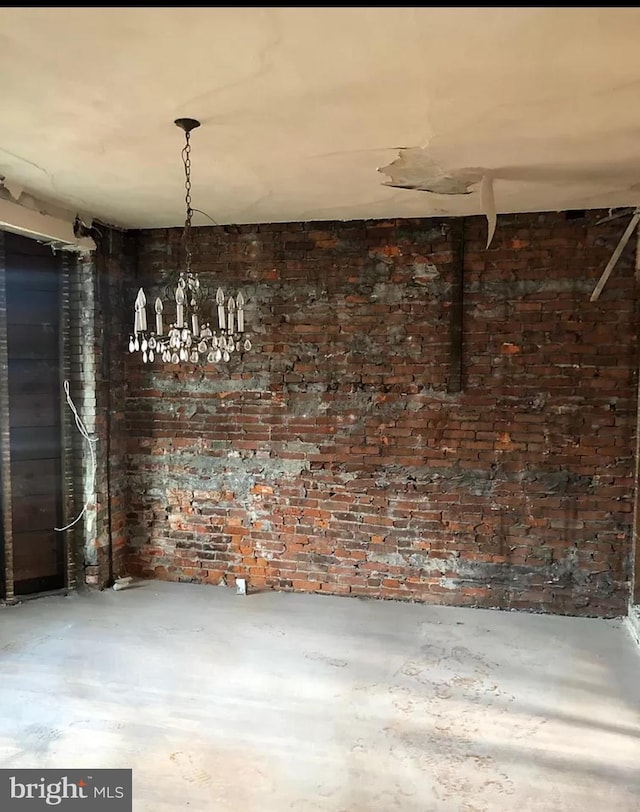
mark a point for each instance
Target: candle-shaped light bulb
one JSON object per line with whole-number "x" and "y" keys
{"x": 158, "y": 308}
{"x": 220, "y": 303}
{"x": 179, "y": 307}
{"x": 141, "y": 310}
{"x": 231, "y": 307}
{"x": 195, "y": 329}
{"x": 240, "y": 311}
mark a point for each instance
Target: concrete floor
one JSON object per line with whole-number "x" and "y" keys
{"x": 275, "y": 702}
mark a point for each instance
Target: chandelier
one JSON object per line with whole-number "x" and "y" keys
{"x": 199, "y": 333}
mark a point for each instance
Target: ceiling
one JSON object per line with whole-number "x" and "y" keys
{"x": 300, "y": 107}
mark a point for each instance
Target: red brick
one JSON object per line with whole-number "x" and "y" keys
{"x": 355, "y": 457}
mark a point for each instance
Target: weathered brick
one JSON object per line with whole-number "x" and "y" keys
{"x": 334, "y": 459}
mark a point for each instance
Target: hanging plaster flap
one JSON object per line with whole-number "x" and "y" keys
{"x": 488, "y": 203}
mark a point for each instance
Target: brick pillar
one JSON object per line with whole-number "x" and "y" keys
{"x": 82, "y": 347}
{"x": 96, "y": 355}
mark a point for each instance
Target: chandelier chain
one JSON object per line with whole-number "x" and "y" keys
{"x": 186, "y": 159}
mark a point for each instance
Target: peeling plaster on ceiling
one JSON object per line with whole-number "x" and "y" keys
{"x": 14, "y": 193}
{"x": 21, "y": 213}
{"x": 299, "y": 106}
{"x": 414, "y": 169}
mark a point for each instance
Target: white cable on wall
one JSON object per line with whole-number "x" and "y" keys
{"x": 91, "y": 442}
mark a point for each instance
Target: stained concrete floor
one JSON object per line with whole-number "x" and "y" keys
{"x": 276, "y": 702}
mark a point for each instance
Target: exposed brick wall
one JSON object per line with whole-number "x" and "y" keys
{"x": 333, "y": 458}
{"x": 96, "y": 372}
{"x": 115, "y": 261}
